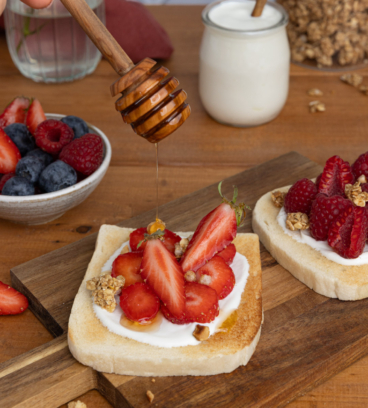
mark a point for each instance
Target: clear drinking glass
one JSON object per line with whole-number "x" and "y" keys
{"x": 48, "y": 45}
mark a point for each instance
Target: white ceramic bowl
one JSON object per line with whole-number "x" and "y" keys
{"x": 43, "y": 208}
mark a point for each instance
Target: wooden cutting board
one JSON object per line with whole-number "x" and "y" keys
{"x": 306, "y": 338}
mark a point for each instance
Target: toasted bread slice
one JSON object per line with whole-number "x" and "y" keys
{"x": 94, "y": 345}
{"x": 324, "y": 276}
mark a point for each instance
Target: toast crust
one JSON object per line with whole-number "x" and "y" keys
{"x": 93, "y": 345}
{"x": 304, "y": 262}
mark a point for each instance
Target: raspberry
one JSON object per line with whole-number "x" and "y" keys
{"x": 324, "y": 211}
{"x": 318, "y": 179}
{"x": 348, "y": 232}
{"x": 300, "y": 196}
{"x": 335, "y": 176}
{"x": 360, "y": 166}
{"x": 52, "y": 135}
{"x": 84, "y": 154}
{"x": 364, "y": 187}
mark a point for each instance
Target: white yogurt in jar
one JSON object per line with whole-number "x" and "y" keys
{"x": 244, "y": 62}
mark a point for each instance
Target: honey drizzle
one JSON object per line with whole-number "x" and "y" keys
{"x": 153, "y": 326}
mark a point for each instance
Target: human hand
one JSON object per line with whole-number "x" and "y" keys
{"x": 32, "y": 3}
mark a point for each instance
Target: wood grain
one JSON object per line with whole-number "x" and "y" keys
{"x": 200, "y": 153}
{"x": 306, "y": 338}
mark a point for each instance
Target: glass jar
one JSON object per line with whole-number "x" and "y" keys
{"x": 328, "y": 34}
{"x": 48, "y": 45}
{"x": 244, "y": 62}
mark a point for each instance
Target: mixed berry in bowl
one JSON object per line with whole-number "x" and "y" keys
{"x": 40, "y": 155}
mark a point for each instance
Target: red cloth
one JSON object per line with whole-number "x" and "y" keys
{"x": 136, "y": 30}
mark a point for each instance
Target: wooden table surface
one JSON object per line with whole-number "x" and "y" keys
{"x": 199, "y": 153}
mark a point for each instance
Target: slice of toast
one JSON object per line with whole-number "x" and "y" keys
{"x": 94, "y": 345}
{"x": 324, "y": 276}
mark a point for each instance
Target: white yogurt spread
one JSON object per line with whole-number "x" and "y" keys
{"x": 305, "y": 237}
{"x": 169, "y": 334}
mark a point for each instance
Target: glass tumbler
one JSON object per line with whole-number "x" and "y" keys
{"x": 48, "y": 45}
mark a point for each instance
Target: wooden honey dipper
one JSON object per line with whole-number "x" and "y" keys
{"x": 147, "y": 100}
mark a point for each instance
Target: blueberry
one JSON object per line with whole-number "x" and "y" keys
{"x": 42, "y": 155}
{"x": 21, "y": 137}
{"x": 56, "y": 176}
{"x": 30, "y": 168}
{"x": 18, "y": 186}
{"x": 78, "y": 125}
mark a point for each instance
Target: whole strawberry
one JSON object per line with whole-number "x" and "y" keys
{"x": 348, "y": 232}
{"x": 360, "y": 166}
{"x": 336, "y": 174}
{"x": 84, "y": 154}
{"x": 323, "y": 212}
{"x": 300, "y": 197}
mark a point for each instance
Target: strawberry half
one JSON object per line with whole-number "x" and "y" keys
{"x": 215, "y": 231}
{"x": 139, "y": 303}
{"x": 201, "y": 305}
{"x": 11, "y": 301}
{"x": 9, "y": 154}
{"x": 222, "y": 278}
{"x": 35, "y": 116}
{"x": 228, "y": 254}
{"x": 348, "y": 232}
{"x": 15, "y": 112}
{"x": 128, "y": 265}
{"x": 169, "y": 239}
{"x": 163, "y": 274}
{"x": 336, "y": 174}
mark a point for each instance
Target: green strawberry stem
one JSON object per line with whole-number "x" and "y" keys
{"x": 238, "y": 208}
{"x": 156, "y": 235}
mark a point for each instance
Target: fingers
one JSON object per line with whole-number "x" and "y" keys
{"x": 2, "y": 6}
{"x": 37, "y": 4}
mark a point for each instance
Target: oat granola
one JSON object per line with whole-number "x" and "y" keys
{"x": 104, "y": 289}
{"x": 355, "y": 194}
{"x": 278, "y": 198}
{"x": 297, "y": 221}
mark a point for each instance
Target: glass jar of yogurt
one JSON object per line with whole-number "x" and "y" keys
{"x": 244, "y": 62}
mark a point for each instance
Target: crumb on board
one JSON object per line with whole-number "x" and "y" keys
{"x": 153, "y": 380}
{"x": 150, "y": 396}
{"x": 77, "y": 404}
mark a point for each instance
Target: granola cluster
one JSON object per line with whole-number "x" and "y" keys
{"x": 181, "y": 247}
{"x": 355, "y": 194}
{"x": 104, "y": 289}
{"x": 278, "y": 198}
{"x": 328, "y": 31}
{"x": 297, "y": 221}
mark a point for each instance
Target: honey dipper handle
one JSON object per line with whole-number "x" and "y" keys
{"x": 99, "y": 34}
{"x": 258, "y": 8}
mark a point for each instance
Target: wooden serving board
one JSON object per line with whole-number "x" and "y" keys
{"x": 306, "y": 338}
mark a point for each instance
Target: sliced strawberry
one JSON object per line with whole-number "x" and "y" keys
{"x": 222, "y": 277}
{"x": 228, "y": 254}
{"x": 201, "y": 305}
{"x": 336, "y": 174}
{"x": 128, "y": 265}
{"x": 139, "y": 303}
{"x": 9, "y": 154}
{"x": 4, "y": 179}
{"x": 169, "y": 240}
{"x": 163, "y": 274}
{"x": 11, "y": 301}
{"x": 348, "y": 232}
{"x": 35, "y": 116}
{"x": 215, "y": 231}
{"x": 15, "y": 112}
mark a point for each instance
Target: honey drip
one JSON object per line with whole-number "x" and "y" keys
{"x": 152, "y": 326}
{"x": 158, "y": 224}
{"x": 229, "y": 323}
